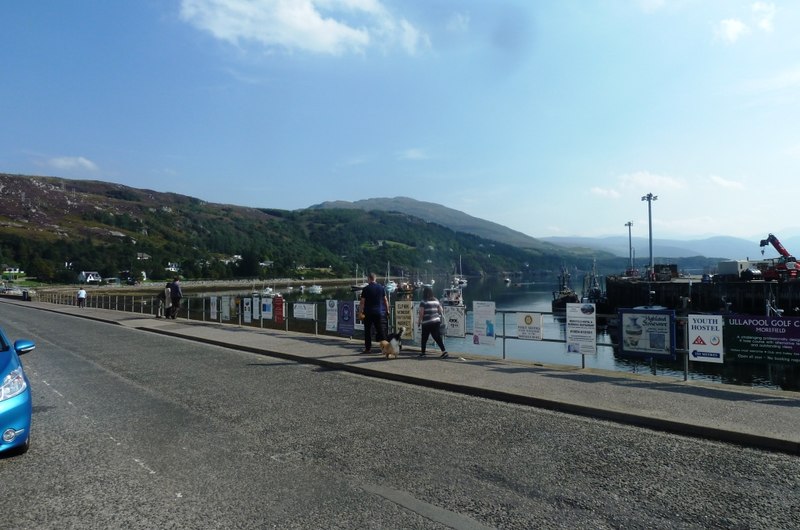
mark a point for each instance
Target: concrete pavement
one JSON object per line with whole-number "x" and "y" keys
{"x": 760, "y": 418}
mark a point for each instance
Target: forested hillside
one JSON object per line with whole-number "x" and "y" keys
{"x": 53, "y": 228}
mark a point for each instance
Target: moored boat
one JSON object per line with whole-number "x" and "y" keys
{"x": 565, "y": 293}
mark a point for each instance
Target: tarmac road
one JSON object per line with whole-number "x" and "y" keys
{"x": 136, "y": 430}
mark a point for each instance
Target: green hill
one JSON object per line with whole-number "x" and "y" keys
{"x": 54, "y": 227}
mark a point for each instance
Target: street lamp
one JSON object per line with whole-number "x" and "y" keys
{"x": 650, "y": 198}
{"x": 629, "y": 224}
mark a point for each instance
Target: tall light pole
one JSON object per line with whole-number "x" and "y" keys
{"x": 629, "y": 224}
{"x": 650, "y": 198}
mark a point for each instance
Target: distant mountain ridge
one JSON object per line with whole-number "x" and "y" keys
{"x": 448, "y": 217}
{"x": 722, "y": 247}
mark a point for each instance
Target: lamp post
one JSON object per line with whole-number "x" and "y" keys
{"x": 629, "y": 224}
{"x": 650, "y": 198}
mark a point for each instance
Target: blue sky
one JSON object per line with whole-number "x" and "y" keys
{"x": 549, "y": 117}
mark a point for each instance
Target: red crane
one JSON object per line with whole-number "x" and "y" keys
{"x": 786, "y": 267}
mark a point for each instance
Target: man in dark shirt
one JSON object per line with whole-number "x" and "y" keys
{"x": 374, "y": 306}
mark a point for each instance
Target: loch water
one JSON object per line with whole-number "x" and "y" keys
{"x": 521, "y": 295}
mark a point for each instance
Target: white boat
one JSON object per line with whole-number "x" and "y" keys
{"x": 358, "y": 286}
{"x": 452, "y": 296}
{"x": 390, "y": 285}
{"x": 314, "y": 289}
{"x": 459, "y": 279}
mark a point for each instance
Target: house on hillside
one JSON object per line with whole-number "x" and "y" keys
{"x": 89, "y": 277}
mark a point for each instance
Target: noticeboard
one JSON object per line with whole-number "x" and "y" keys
{"x": 647, "y": 333}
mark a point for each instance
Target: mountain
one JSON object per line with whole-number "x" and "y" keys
{"x": 453, "y": 219}
{"x": 53, "y": 227}
{"x": 721, "y": 247}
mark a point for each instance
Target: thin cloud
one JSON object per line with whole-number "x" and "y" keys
{"x": 413, "y": 154}
{"x": 458, "y": 23}
{"x": 649, "y": 6}
{"x": 333, "y": 27}
{"x": 725, "y": 183}
{"x": 604, "y": 192}
{"x": 764, "y": 13}
{"x": 67, "y": 163}
{"x": 731, "y": 30}
{"x": 646, "y": 182}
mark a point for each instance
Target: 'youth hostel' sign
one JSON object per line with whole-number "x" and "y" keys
{"x": 705, "y": 338}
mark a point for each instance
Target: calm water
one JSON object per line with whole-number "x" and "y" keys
{"x": 536, "y": 296}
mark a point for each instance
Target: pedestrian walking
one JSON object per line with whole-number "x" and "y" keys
{"x": 175, "y": 295}
{"x": 161, "y": 301}
{"x": 81, "y": 297}
{"x": 430, "y": 320}
{"x": 373, "y": 306}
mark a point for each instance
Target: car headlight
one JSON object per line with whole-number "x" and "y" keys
{"x": 13, "y": 384}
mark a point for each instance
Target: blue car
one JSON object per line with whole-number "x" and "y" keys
{"x": 15, "y": 397}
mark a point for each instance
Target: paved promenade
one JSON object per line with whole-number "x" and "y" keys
{"x": 761, "y": 418}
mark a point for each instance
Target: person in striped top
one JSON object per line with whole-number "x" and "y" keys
{"x": 430, "y": 319}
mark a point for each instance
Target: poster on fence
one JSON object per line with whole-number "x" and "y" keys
{"x": 581, "y": 329}
{"x": 305, "y": 311}
{"x": 483, "y": 325}
{"x": 212, "y": 308}
{"x": 256, "y": 308}
{"x": 278, "y": 309}
{"x": 455, "y": 321}
{"x": 762, "y": 339}
{"x": 529, "y": 326}
{"x": 648, "y": 333}
{"x": 266, "y": 309}
{"x": 331, "y": 315}
{"x": 226, "y": 308}
{"x": 404, "y": 317}
{"x": 347, "y": 317}
{"x": 247, "y": 310}
{"x": 705, "y": 338}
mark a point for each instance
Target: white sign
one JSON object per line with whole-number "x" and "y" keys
{"x": 305, "y": 311}
{"x": 404, "y": 317}
{"x": 212, "y": 308}
{"x": 705, "y": 338}
{"x": 582, "y": 329}
{"x": 331, "y": 315}
{"x": 256, "y": 308}
{"x": 483, "y": 331}
{"x": 226, "y": 308}
{"x": 247, "y": 304}
{"x": 455, "y": 321}
{"x": 529, "y": 326}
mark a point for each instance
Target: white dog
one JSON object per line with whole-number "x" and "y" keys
{"x": 393, "y": 344}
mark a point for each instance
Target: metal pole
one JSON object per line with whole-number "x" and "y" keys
{"x": 650, "y": 198}
{"x": 629, "y": 224}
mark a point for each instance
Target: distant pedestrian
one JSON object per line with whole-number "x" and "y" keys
{"x": 161, "y": 302}
{"x": 81, "y": 297}
{"x": 175, "y": 297}
{"x": 430, "y": 319}
{"x": 374, "y": 308}
{"x": 166, "y": 295}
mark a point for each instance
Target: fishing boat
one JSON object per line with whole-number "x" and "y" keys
{"x": 452, "y": 296}
{"x": 565, "y": 294}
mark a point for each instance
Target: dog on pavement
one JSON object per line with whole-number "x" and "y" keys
{"x": 393, "y": 344}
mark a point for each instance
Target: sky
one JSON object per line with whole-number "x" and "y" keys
{"x": 553, "y": 118}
